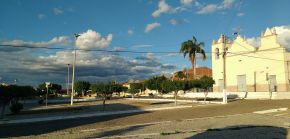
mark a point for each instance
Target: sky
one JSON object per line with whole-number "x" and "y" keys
{"x": 143, "y": 26}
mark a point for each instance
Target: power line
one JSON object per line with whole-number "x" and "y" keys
{"x": 96, "y": 50}
{"x": 259, "y": 57}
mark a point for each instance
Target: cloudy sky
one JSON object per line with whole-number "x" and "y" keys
{"x": 146, "y": 26}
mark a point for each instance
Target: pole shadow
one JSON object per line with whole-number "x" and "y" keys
{"x": 243, "y": 132}
{"x": 118, "y": 132}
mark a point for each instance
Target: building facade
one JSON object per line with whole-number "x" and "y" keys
{"x": 249, "y": 68}
{"x": 189, "y": 73}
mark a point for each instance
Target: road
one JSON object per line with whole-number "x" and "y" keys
{"x": 235, "y": 119}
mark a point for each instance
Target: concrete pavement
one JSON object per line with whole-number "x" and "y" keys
{"x": 51, "y": 118}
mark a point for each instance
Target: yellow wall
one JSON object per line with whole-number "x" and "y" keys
{"x": 244, "y": 59}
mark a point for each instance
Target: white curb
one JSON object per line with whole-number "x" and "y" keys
{"x": 270, "y": 111}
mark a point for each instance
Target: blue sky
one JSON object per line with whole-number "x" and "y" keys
{"x": 121, "y": 25}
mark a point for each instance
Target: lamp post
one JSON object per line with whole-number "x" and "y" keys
{"x": 67, "y": 87}
{"x": 73, "y": 74}
{"x": 46, "y": 85}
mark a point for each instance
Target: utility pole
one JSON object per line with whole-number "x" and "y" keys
{"x": 73, "y": 79}
{"x": 224, "y": 69}
{"x": 255, "y": 82}
{"x": 47, "y": 84}
{"x": 288, "y": 71}
{"x": 67, "y": 87}
{"x": 73, "y": 74}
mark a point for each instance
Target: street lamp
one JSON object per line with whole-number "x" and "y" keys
{"x": 67, "y": 87}
{"x": 47, "y": 84}
{"x": 73, "y": 74}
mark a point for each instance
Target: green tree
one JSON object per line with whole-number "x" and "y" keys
{"x": 191, "y": 48}
{"x": 5, "y": 98}
{"x": 54, "y": 89}
{"x": 118, "y": 88}
{"x": 104, "y": 90}
{"x": 175, "y": 86}
{"x": 180, "y": 75}
{"x": 82, "y": 87}
{"x": 206, "y": 83}
{"x": 155, "y": 83}
{"x": 41, "y": 89}
{"x": 13, "y": 93}
{"x": 135, "y": 88}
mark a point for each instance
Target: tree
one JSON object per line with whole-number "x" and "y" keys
{"x": 154, "y": 83}
{"x": 13, "y": 93}
{"x": 180, "y": 75}
{"x": 175, "y": 86}
{"x": 5, "y": 98}
{"x": 82, "y": 86}
{"x": 191, "y": 48}
{"x": 104, "y": 90}
{"x": 135, "y": 88}
{"x": 54, "y": 89}
{"x": 205, "y": 83}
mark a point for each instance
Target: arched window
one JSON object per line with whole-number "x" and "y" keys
{"x": 217, "y": 53}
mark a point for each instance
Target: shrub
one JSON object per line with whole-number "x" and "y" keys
{"x": 16, "y": 107}
{"x": 41, "y": 101}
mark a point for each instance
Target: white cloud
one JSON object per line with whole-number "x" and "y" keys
{"x": 208, "y": 9}
{"x": 142, "y": 46}
{"x": 118, "y": 48}
{"x": 57, "y": 11}
{"x": 240, "y": 14}
{"x": 211, "y": 8}
{"x": 283, "y": 35}
{"x": 254, "y": 41}
{"x": 168, "y": 66}
{"x": 91, "y": 66}
{"x": 186, "y": 2}
{"x": 87, "y": 40}
{"x": 61, "y": 40}
{"x": 148, "y": 57}
{"x": 92, "y": 39}
{"x": 152, "y": 26}
{"x": 40, "y": 16}
{"x": 228, "y": 3}
{"x": 130, "y": 31}
{"x": 178, "y": 21}
{"x": 173, "y": 54}
{"x": 163, "y": 7}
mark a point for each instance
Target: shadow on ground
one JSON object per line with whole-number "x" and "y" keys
{"x": 38, "y": 128}
{"x": 118, "y": 132}
{"x": 242, "y": 132}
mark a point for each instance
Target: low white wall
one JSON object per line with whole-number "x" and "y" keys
{"x": 240, "y": 95}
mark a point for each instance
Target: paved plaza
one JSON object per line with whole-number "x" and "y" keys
{"x": 158, "y": 119}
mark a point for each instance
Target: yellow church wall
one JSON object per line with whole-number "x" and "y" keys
{"x": 243, "y": 59}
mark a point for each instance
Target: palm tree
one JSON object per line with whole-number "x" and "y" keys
{"x": 191, "y": 48}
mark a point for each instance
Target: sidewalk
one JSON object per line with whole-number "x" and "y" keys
{"x": 41, "y": 119}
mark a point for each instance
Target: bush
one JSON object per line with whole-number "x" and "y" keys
{"x": 16, "y": 107}
{"x": 40, "y": 101}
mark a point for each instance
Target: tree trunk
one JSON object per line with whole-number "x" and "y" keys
{"x": 193, "y": 66}
{"x": 104, "y": 102}
{"x": 83, "y": 93}
{"x": 3, "y": 110}
{"x": 205, "y": 95}
{"x": 175, "y": 96}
